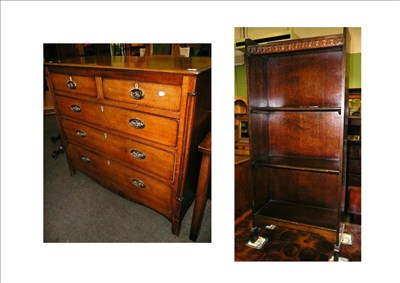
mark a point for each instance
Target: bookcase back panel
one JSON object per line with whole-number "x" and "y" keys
{"x": 305, "y": 79}
{"x": 311, "y": 79}
{"x": 302, "y": 187}
{"x": 307, "y": 134}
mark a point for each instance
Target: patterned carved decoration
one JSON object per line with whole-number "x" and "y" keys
{"x": 297, "y": 45}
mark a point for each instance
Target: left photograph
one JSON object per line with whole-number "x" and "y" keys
{"x": 127, "y": 143}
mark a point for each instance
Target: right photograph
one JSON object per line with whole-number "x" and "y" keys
{"x": 298, "y": 144}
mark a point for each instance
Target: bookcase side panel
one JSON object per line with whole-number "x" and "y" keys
{"x": 257, "y": 82}
{"x": 261, "y": 181}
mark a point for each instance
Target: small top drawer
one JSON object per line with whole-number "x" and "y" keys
{"x": 162, "y": 96}
{"x": 75, "y": 84}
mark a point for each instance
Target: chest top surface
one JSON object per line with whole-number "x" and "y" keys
{"x": 166, "y": 64}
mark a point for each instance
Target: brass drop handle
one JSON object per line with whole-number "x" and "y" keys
{"x": 75, "y": 108}
{"x": 71, "y": 84}
{"x": 136, "y": 123}
{"x": 138, "y": 183}
{"x": 138, "y": 154}
{"x": 80, "y": 133}
{"x": 85, "y": 159}
{"x": 137, "y": 93}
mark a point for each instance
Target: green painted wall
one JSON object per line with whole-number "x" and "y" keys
{"x": 240, "y": 82}
{"x": 354, "y": 69}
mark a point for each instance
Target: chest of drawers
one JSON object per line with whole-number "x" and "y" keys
{"x": 133, "y": 125}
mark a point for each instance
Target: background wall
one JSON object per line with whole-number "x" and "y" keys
{"x": 354, "y": 67}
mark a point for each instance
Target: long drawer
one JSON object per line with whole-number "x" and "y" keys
{"x": 146, "y": 126}
{"x": 154, "y": 160}
{"x": 133, "y": 184}
{"x": 162, "y": 96}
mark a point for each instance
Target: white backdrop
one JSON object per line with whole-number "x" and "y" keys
{"x": 26, "y": 26}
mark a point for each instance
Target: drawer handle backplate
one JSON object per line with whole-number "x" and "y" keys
{"x": 81, "y": 133}
{"x": 136, "y": 123}
{"x": 138, "y": 183}
{"x": 85, "y": 159}
{"x": 75, "y": 108}
{"x": 137, "y": 93}
{"x": 138, "y": 154}
{"x": 71, "y": 84}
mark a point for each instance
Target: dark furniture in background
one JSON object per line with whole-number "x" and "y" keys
{"x": 242, "y": 186}
{"x": 296, "y": 92}
{"x": 354, "y": 137}
{"x": 242, "y": 160}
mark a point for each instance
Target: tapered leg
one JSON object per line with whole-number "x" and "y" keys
{"x": 176, "y": 227}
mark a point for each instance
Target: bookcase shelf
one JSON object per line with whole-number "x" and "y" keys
{"x": 300, "y": 163}
{"x": 297, "y": 213}
{"x": 310, "y": 108}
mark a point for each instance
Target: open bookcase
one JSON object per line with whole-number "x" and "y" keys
{"x": 296, "y": 93}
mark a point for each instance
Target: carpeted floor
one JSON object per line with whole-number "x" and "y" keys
{"x": 77, "y": 209}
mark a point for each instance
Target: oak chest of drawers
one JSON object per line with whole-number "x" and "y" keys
{"x": 133, "y": 125}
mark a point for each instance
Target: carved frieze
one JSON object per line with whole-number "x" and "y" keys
{"x": 297, "y": 45}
